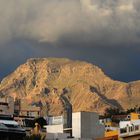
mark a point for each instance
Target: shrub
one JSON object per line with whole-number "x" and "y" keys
{"x": 35, "y": 137}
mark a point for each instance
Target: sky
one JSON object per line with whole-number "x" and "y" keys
{"x": 103, "y": 32}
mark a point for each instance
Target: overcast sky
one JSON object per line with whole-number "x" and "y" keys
{"x": 103, "y": 32}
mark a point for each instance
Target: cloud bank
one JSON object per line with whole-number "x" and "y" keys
{"x": 98, "y": 21}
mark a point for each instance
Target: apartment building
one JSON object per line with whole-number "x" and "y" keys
{"x": 6, "y": 106}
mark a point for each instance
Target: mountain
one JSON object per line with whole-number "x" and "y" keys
{"x": 41, "y": 81}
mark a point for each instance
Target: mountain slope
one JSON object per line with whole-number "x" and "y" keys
{"x": 43, "y": 80}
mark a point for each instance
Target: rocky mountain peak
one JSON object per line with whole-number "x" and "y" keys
{"x": 84, "y": 85}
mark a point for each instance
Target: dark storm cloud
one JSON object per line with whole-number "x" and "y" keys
{"x": 117, "y": 62}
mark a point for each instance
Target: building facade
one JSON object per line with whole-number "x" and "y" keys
{"x": 85, "y": 125}
{"x": 6, "y": 106}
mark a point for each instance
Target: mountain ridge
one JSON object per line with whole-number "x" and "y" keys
{"x": 86, "y": 86}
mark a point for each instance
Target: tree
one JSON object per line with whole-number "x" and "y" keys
{"x": 41, "y": 121}
{"x": 113, "y": 111}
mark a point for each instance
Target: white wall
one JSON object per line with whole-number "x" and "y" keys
{"x": 123, "y": 124}
{"x": 76, "y": 124}
{"x": 54, "y": 128}
{"x": 54, "y": 136}
{"x": 86, "y": 125}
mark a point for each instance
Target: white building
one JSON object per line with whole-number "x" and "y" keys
{"x": 129, "y": 128}
{"x": 85, "y": 125}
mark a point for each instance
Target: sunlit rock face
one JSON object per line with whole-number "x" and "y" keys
{"x": 41, "y": 81}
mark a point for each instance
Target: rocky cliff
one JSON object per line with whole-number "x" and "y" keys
{"x": 41, "y": 81}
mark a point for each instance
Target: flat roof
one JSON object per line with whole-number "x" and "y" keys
{"x": 8, "y": 122}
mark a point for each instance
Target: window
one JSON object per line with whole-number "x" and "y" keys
{"x": 130, "y": 129}
{"x": 136, "y": 127}
{"x": 27, "y": 113}
{"x": 123, "y": 130}
{"x": 38, "y": 113}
